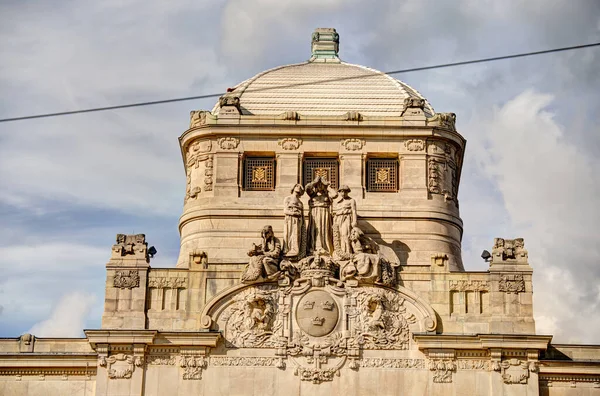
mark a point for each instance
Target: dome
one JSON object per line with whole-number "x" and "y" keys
{"x": 324, "y": 86}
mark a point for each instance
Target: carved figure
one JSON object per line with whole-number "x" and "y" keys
{"x": 319, "y": 219}
{"x": 367, "y": 262}
{"x": 294, "y": 234}
{"x": 344, "y": 220}
{"x": 264, "y": 258}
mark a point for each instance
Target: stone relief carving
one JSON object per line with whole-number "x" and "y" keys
{"x": 127, "y": 279}
{"x": 290, "y": 143}
{"x": 353, "y": 144}
{"x": 381, "y": 319}
{"x": 414, "y": 103}
{"x": 469, "y": 285}
{"x": 251, "y": 320}
{"x": 415, "y": 145}
{"x": 509, "y": 249}
{"x": 442, "y": 370}
{"x": 229, "y": 100}
{"x": 515, "y": 371}
{"x": 198, "y": 256}
{"x": 512, "y": 283}
{"x": 120, "y": 366}
{"x": 192, "y": 366}
{"x": 228, "y": 143}
{"x": 319, "y": 229}
{"x": 208, "y": 174}
{"x": 442, "y": 170}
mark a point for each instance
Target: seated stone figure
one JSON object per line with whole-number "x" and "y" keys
{"x": 264, "y": 258}
{"x": 369, "y": 262}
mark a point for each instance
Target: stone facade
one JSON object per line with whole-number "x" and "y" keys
{"x": 320, "y": 255}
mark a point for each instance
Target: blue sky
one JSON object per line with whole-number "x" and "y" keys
{"x": 70, "y": 184}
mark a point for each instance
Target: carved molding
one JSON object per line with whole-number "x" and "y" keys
{"x": 290, "y": 143}
{"x": 353, "y": 144}
{"x": 228, "y": 143}
{"x": 511, "y": 283}
{"x": 469, "y": 285}
{"x": 415, "y": 145}
{"x": 127, "y": 279}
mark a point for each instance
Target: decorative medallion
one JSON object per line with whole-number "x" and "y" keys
{"x": 228, "y": 143}
{"x": 290, "y": 143}
{"x": 353, "y": 144}
{"x": 317, "y": 313}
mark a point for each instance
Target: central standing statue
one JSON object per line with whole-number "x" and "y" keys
{"x": 344, "y": 220}
{"x": 319, "y": 230}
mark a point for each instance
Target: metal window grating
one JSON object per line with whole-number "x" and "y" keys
{"x": 259, "y": 173}
{"x": 382, "y": 174}
{"x": 327, "y": 168}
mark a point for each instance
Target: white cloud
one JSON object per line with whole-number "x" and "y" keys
{"x": 550, "y": 190}
{"x": 67, "y": 318}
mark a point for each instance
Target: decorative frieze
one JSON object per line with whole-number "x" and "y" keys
{"x": 247, "y": 361}
{"x": 469, "y": 285}
{"x": 161, "y": 360}
{"x": 126, "y": 279}
{"x": 228, "y": 143}
{"x": 473, "y": 364}
{"x": 167, "y": 282}
{"x": 353, "y": 144}
{"x": 512, "y": 283}
{"x": 392, "y": 363}
{"x": 290, "y": 143}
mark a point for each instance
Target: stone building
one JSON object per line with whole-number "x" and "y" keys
{"x": 320, "y": 255}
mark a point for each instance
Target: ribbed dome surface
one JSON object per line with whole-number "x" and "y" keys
{"x": 324, "y": 89}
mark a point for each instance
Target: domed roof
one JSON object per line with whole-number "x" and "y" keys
{"x": 324, "y": 86}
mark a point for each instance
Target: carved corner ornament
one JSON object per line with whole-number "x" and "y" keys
{"x": 126, "y": 245}
{"x": 228, "y": 143}
{"x": 290, "y": 143}
{"x": 197, "y": 118}
{"x": 353, "y": 144}
{"x": 353, "y": 116}
{"x": 289, "y": 116}
{"x": 127, "y": 279}
{"x": 509, "y": 250}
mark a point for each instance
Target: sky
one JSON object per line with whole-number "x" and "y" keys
{"x": 69, "y": 184}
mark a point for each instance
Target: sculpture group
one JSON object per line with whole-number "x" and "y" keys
{"x": 330, "y": 239}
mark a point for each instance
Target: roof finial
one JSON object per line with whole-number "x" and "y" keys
{"x": 325, "y": 45}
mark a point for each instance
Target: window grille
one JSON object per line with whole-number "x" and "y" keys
{"x": 259, "y": 173}
{"x": 327, "y": 168}
{"x": 382, "y": 174}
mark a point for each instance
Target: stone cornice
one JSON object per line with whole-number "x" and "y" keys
{"x": 569, "y": 367}
{"x": 482, "y": 341}
{"x": 120, "y": 336}
{"x": 183, "y": 338}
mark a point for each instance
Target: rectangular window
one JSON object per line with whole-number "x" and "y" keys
{"x": 327, "y": 168}
{"x": 259, "y": 173}
{"x": 382, "y": 174}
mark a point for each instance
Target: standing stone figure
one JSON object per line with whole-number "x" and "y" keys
{"x": 293, "y": 226}
{"x": 344, "y": 220}
{"x": 319, "y": 218}
{"x": 264, "y": 258}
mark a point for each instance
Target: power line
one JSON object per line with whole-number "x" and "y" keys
{"x": 415, "y": 69}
